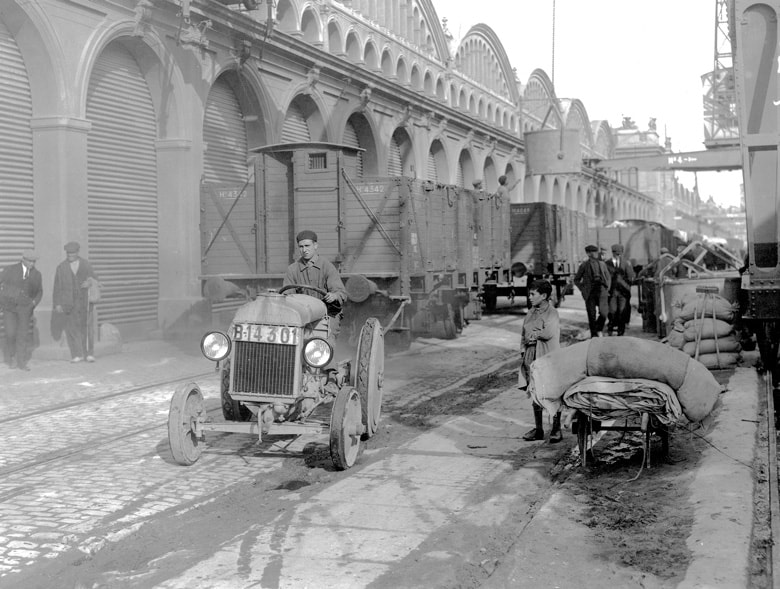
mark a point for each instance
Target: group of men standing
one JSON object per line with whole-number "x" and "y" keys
{"x": 606, "y": 287}
{"x": 21, "y": 290}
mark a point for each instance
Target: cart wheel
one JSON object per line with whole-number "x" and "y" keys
{"x": 231, "y": 410}
{"x": 370, "y": 376}
{"x": 346, "y": 428}
{"x": 186, "y": 409}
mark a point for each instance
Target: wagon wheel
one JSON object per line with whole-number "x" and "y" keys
{"x": 370, "y": 375}
{"x": 346, "y": 428}
{"x": 186, "y": 409}
{"x": 231, "y": 410}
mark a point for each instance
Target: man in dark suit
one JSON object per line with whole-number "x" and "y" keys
{"x": 21, "y": 289}
{"x": 622, "y": 277}
{"x": 593, "y": 280}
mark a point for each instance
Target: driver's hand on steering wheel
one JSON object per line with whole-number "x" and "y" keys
{"x": 331, "y": 298}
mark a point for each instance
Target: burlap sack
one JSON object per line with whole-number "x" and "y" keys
{"x": 706, "y": 329}
{"x": 676, "y": 337}
{"x": 722, "y": 360}
{"x": 555, "y": 372}
{"x": 631, "y": 357}
{"x": 710, "y": 346}
{"x": 694, "y": 307}
{"x": 699, "y": 391}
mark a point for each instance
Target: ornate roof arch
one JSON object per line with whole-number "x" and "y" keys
{"x": 576, "y": 117}
{"x": 603, "y": 141}
{"x": 479, "y": 41}
{"x": 538, "y": 97}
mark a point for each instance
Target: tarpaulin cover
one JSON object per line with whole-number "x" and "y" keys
{"x": 605, "y": 398}
{"x": 624, "y": 358}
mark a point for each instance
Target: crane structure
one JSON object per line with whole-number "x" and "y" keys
{"x": 721, "y": 124}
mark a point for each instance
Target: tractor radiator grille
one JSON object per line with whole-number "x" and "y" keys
{"x": 264, "y": 369}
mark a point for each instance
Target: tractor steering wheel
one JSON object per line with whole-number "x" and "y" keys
{"x": 334, "y": 307}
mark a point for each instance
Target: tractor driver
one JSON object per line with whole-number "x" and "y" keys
{"x": 313, "y": 270}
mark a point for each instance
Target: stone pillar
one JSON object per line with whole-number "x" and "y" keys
{"x": 60, "y": 200}
{"x": 178, "y": 197}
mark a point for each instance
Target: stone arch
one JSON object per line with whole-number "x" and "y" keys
{"x": 416, "y": 78}
{"x": 489, "y": 175}
{"x": 401, "y": 71}
{"x": 311, "y": 26}
{"x": 371, "y": 56}
{"x": 531, "y": 189}
{"x": 388, "y": 68}
{"x": 335, "y": 44}
{"x": 352, "y": 47}
{"x": 544, "y": 190}
{"x": 428, "y": 83}
{"x": 366, "y": 137}
{"x": 311, "y": 112}
{"x": 466, "y": 175}
{"x": 441, "y": 93}
{"x": 439, "y": 154}
{"x": 286, "y": 16}
{"x": 463, "y": 99}
{"x": 402, "y": 141}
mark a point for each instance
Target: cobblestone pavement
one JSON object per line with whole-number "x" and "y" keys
{"x": 84, "y": 454}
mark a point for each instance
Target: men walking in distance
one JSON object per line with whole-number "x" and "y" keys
{"x": 21, "y": 289}
{"x": 541, "y": 335}
{"x": 313, "y": 270}
{"x": 622, "y": 277}
{"x": 72, "y": 281}
{"x": 594, "y": 281}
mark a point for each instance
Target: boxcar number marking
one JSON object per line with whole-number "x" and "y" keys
{"x": 266, "y": 334}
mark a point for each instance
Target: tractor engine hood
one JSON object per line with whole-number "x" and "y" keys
{"x": 297, "y": 310}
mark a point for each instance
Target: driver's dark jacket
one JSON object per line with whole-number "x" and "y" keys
{"x": 317, "y": 272}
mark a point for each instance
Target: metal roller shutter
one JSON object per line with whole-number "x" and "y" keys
{"x": 351, "y": 139}
{"x": 459, "y": 175}
{"x": 225, "y": 165}
{"x": 394, "y": 164}
{"x": 295, "y": 128}
{"x": 432, "y": 175}
{"x": 122, "y": 190}
{"x": 16, "y": 170}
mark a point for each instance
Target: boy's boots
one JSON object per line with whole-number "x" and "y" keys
{"x": 556, "y": 435}
{"x": 538, "y": 432}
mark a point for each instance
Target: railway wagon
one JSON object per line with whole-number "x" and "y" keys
{"x": 642, "y": 240}
{"x": 410, "y": 251}
{"x": 545, "y": 241}
{"x": 754, "y": 27}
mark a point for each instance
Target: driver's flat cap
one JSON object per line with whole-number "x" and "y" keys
{"x": 306, "y": 234}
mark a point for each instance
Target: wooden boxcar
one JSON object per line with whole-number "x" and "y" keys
{"x": 412, "y": 253}
{"x": 543, "y": 243}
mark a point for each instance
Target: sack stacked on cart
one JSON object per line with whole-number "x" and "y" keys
{"x": 624, "y": 358}
{"x": 708, "y": 331}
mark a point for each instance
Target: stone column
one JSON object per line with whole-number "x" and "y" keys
{"x": 178, "y": 197}
{"x": 60, "y": 201}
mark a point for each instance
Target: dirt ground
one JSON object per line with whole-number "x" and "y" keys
{"x": 637, "y": 518}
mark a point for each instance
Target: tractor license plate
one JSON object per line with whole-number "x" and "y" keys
{"x": 266, "y": 334}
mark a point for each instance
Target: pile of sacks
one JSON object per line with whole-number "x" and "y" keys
{"x": 704, "y": 329}
{"x": 624, "y": 376}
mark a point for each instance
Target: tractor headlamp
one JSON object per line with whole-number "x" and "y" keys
{"x": 215, "y": 345}
{"x": 317, "y": 352}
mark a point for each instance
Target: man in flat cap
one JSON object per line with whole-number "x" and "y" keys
{"x": 622, "y": 275}
{"x": 72, "y": 282}
{"x": 593, "y": 280}
{"x": 21, "y": 289}
{"x": 313, "y": 270}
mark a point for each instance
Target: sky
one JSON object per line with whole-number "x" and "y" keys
{"x": 621, "y": 58}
